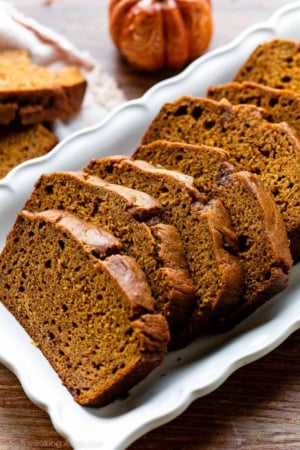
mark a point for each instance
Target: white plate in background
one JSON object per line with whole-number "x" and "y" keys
{"x": 201, "y": 367}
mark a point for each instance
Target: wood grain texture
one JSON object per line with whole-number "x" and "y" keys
{"x": 258, "y": 407}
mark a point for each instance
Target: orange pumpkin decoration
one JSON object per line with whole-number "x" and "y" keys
{"x": 153, "y": 34}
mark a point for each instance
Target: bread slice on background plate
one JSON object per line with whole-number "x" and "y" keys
{"x": 30, "y": 93}
{"x": 20, "y": 144}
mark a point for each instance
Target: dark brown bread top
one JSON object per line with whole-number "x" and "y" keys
{"x": 280, "y": 105}
{"x": 274, "y": 63}
{"x": 32, "y": 94}
{"x": 205, "y": 231}
{"x": 134, "y": 217}
{"x": 89, "y": 311}
{"x": 21, "y": 144}
{"x": 263, "y": 245}
{"x": 270, "y": 150}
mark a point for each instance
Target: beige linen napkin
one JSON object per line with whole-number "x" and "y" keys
{"x": 50, "y": 49}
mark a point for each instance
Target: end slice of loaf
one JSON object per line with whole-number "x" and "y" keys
{"x": 270, "y": 150}
{"x": 280, "y": 105}
{"x": 206, "y": 234}
{"x": 274, "y": 63}
{"x": 23, "y": 143}
{"x": 263, "y": 247}
{"x": 33, "y": 94}
{"x": 88, "y": 308}
{"x": 135, "y": 218}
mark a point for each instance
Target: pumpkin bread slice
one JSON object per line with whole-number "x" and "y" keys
{"x": 19, "y": 144}
{"x": 10, "y": 60}
{"x": 205, "y": 231}
{"x": 280, "y": 105}
{"x": 271, "y": 150}
{"x": 133, "y": 217}
{"x": 263, "y": 245}
{"x": 274, "y": 63}
{"x": 30, "y": 93}
{"x": 87, "y": 307}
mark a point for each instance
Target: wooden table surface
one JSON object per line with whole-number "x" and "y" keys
{"x": 258, "y": 407}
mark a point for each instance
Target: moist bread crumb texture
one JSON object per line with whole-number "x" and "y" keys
{"x": 135, "y": 218}
{"x": 270, "y": 150}
{"x": 22, "y": 144}
{"x": 87, "y": 307}
{"x": 263, "y": 247}
{"x": 205, "y": 231}
{"x": 278, "y": 105}
{"x": 274, "y": 63}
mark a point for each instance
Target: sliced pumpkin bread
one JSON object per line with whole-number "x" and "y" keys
{"x": 263, "y": 247}
{"x": 274, "y": 63}
{"x": 271, "y": 150}
{"x": 30, "y": 93}
{"x": 205, "y": 230}
{"x": 87, "y": 307}
{"x": 133, "y": 217}
{"x": 19, "y": 144}
{"x": 280, "y": 105}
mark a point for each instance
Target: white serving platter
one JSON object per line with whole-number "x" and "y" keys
{"x": 207, "y": 363}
